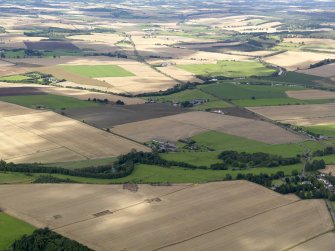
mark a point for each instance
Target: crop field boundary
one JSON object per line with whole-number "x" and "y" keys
{"x": 309, "y": 239}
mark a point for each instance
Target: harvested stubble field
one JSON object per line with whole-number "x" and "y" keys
{"x": 245, "y": 217}
{"x": 311, "y": 94}
{"x": 180, "y": 74}
{"x": 27, "y": 136}
{"x": 189, "y": 124}
{"x": 295, "y": 60}
{"x": 326, "y": 71}
{"x": 112, "y": 115}
{"x": 51, "y": 45}
{"x": 304, "y": 115}
{"x": 325, "y": 242}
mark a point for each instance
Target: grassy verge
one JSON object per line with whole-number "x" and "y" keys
{"x": 12, "y": 229}
{"x": 47, "y": 101}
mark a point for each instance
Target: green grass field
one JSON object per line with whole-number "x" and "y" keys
{"x": 221, "y": 142}
{"x": 47, "y": 101}
{"x": 326, "y": 130}
{"x": 15, "y": 78}
{"x": 278, "y": 101}
{"x": 231, "y": 69}
{"x": 83, "y": 163}
{"x": 12, "y": 229}
{"x": 98, "y": 71}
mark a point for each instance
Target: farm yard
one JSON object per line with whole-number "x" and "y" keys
{"x": 118, "y": 211}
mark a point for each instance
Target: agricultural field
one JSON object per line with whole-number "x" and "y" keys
{"x": 302, "y": 115}
{"x": 296, "y": 60}
{"x": 51, "y": 45}
{"x": 97, "y": 71}
{"x": 311, "y": 94}
{"x": 243, "y": 206}
{"x": 108, "y": 116}
{"x": 28, "y": 137}
{"x": 47, "y": 101}
{"x": 198, "y": 125}
{"x": 326, "y": 71}
{"x": 189, "y": 124}
{"x": 12, "y": 229}
{"x": 231, "y": 69}
{"x": 218, "y": 142}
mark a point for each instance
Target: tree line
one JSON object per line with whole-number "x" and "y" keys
{"x": 46, "y": 240}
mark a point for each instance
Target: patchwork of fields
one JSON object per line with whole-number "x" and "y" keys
{"x": 164, "y": 215}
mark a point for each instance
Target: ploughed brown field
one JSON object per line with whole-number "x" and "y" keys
{"x": 112, "y": 115}
{"x": 51, "y": 45}
{"x": 233, "y": 215}
{"x": 311, "y": 94}
{"x": 19, "y": 91}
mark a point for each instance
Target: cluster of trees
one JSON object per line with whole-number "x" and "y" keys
{"x": 114, "y": 171}
{"x": 105, "y": 101}
{"x": 244, "y": 160}
{"x": 315, "y": 165}
{"x": 52, "y": 179}
{"x": 309, "y": 188}
{"x": 327, "y": 151}
{"x": 321, "y": 63}
{"x": 46, "y": 240}
{"x": 263, "y": 179}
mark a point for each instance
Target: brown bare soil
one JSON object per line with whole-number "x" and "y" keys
{"x": 189, "y": 124}
{"x": 19, "y": 91}
{"x": 112, "y": 115}
{"x": 311, "y": 94}
{"x": 185, "y": 217}
{"x": 51, "y": 45}
{"x": 299, "y": 114}
{"x": 326, "y": 71}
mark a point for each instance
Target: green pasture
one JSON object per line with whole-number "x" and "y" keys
{"x": 98, "y": 71}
